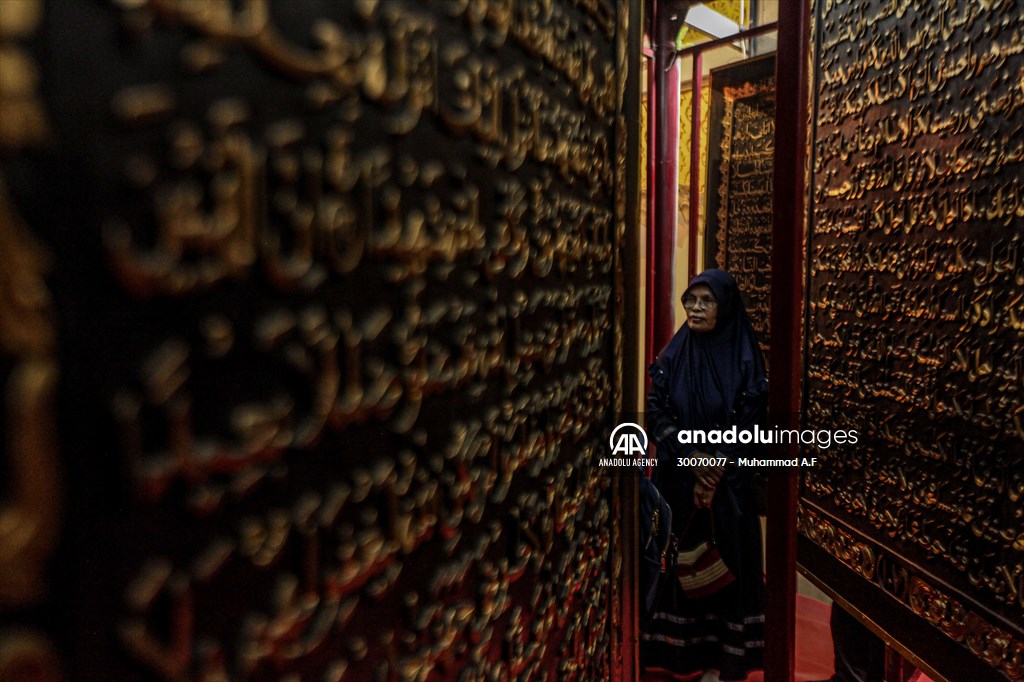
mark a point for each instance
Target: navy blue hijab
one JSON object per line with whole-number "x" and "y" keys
{"x": 713, "y": 376}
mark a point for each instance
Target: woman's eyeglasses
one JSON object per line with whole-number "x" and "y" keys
{"x": 691, "y": 302}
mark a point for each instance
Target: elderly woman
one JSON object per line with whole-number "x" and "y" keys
{"x": 711, "y": 376}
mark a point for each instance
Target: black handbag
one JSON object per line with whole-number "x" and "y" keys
{"x": 657, "y": 547}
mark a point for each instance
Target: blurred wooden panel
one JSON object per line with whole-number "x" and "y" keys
{"x": 311, "y": 322}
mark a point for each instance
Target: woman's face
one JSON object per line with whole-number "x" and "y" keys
{"x": 701, "y": 308}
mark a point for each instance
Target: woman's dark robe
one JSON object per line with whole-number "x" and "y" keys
{"x": 711, "y": 380}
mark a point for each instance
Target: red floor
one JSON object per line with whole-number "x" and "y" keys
{"x": 813, "y": 648}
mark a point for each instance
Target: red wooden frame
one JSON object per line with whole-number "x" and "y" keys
{"x": 786, "y": 317}
{"x": 786, "y": 321}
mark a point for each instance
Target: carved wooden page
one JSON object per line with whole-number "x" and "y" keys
{"x": 915, "y": 323}
{"x": 334, "y": 292}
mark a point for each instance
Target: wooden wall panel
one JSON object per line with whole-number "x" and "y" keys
{"x": 311, "y": 329}
{"x": 914, "y": 334}
{"x": 739, "y": 197}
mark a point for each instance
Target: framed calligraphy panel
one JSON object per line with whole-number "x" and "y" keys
{"x": 742, "y": 133}
{"x": 311, "y": 328}
{"x": 914, "y": 331}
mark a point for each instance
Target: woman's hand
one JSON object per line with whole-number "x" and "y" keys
{"x": 709, "y": 475}
{"x": 702, "y": 495}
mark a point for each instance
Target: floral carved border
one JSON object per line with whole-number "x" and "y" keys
{"x": 996, "y": 647}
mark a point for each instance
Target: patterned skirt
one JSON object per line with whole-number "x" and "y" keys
{"x": 687, "y": 635}
{"x": 722, "y": 631}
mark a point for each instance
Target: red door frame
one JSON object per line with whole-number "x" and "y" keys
{"x": 787, "y": 262}
{"x": 786, "y": 322}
